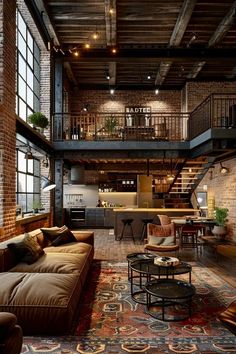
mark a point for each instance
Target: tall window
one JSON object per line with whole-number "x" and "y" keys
{"x": 28, "y": 182}
{"x": 28, "y": 71}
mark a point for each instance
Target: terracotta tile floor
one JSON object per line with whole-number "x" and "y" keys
{"x": 107, "y": 248}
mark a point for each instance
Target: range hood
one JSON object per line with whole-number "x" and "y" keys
{"x": 76, "y": 175}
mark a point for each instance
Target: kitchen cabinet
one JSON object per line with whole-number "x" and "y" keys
{"x": 94, "y": 217}
{"x": 109, "y": 217}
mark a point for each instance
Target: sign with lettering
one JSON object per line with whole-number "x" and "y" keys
{"x": 137, "y": 116}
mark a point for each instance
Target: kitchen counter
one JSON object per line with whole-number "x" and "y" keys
{"x": 137, "y": 214}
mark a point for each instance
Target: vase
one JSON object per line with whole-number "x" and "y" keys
{"x": 219, "y": 231}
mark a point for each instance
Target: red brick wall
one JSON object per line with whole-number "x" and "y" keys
{"x": 196, "y": 92}
{"x": 103, "y": 101}
{"x": 222, "y": 189}
{"x": 7, "y": 121}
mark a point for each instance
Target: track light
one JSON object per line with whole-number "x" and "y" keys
{"x": 223, "y": 169}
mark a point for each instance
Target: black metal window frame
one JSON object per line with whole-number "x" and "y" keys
{"x": 27, "y": 194}
{"x": 27, "y": 70}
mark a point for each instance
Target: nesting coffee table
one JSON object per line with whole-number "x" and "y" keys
{"x": 155, "y": 285}
{"x": 176, "y": 295}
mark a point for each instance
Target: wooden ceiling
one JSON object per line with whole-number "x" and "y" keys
{"x": 173, "y": 41}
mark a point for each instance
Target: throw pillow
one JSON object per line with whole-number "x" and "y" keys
{"x": 64, "y": 237}
{"x": 51, "y": 233}
{"x": 161, "y": 241}
{"x": 27, "y": 251}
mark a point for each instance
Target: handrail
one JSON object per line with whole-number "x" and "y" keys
{"x": 216, "y": 111}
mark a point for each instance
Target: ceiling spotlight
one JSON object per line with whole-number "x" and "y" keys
{"x": 76, "y": 53}
{"x": 149, "y": 77}
{"x": 95, "y": 35}
{"x": 108, "y": 76}
{"x": 111, "y": 11}
{"x": 114, "y": 50}
{"x": 112, "y": 91}
{"x": 87, "y": 46}
{"x": 223, "y": 169}
{"x": 156, "y": 91}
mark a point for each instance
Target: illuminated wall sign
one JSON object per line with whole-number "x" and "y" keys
{"x": 137, "y": 116}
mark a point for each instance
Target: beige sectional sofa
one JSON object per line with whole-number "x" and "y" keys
{"x": 45, "y": 295}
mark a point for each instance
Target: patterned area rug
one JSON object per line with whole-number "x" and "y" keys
{"x": 111, "y": 322}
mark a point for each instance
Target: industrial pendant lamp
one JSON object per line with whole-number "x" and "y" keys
{"x": 47, "y": 184}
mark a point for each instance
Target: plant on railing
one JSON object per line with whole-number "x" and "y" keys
{"x": 110, "y": 124}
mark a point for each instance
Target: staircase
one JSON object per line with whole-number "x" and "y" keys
{"x": 186, "y": 181}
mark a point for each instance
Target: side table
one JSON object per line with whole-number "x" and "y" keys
{"x": 163, "y": 293}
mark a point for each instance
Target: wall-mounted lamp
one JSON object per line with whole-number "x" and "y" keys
{"x": 223, "y": 169}
{"x": 47, "y": 184}
{"x": 85, "y": 107}
{"x": 28, "y": 154}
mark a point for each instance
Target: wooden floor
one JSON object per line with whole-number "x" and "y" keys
{"x": 107, "y": 248}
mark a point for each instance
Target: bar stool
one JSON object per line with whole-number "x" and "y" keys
{"x": 144, "y": 229}
{"x": 127, "y": 225}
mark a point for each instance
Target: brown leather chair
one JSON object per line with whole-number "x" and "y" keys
{"x": 11, "y": 336}
{"x": 161, "y": 238}
{"x": 228, "y": 317}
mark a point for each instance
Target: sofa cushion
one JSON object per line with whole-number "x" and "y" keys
{"x": 28, "y": 250}
{"x": 64, "y": 237}
{"x": 164, "y": 241}
{"x": 43, "y": 303}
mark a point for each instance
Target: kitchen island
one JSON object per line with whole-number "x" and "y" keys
{"x": 137, "y": 214}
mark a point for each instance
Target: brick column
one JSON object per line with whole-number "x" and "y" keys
{"x": 7, "y": 118}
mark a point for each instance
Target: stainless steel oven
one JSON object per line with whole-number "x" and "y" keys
{"x": 77, "y": 217}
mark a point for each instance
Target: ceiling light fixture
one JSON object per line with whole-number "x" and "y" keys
{"x": 223, "y": 169}
{"x": 76, "y": 53}
{"x": 149, "y": 77}
{"x": 114, "y": 50}
{"x": 95, "y": 35}
{"x": 156, "y": 91}
{"x": 112, "y": 91}
{"x": 87, "y": 46}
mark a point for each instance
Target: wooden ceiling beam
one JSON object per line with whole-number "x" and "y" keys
{"x": 223, "y": 27}
{"x": 176, "y": 37}
{"x": 110, "y": 20}
{"x": 182, "y": 22}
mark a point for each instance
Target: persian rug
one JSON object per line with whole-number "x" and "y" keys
{"x": 111, "y": 322}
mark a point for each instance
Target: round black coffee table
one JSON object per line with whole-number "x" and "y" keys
{"x": 137, "y": 256}
{"x": 145, "y": 269}
{"x": 163, "y": 293}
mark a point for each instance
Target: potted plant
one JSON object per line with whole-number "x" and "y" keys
{"x": 38, "y": 119}
{"x": 111, "y": 124}
{"x": 36, "y": 206}
{"x": 221, "y": 215}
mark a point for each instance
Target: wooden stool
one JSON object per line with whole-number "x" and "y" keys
{"x": 127, "y": 224}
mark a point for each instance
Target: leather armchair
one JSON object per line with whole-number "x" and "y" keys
{"x": 161, "y": 238}
{"x": 228, "y": 317}
{"x": 11, "y": 336}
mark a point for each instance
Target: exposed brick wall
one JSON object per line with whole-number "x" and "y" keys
{"x": 7, "y": 121}
{"x": 196, "y": 92}
{"x": 222, "y": 188}
{"x": 103, "y": 101}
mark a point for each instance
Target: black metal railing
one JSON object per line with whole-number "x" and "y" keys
{"x": 216, "y": 111}
{"x": 120, "y": 126}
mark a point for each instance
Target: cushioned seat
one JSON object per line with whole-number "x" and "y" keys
{"x": 228, "y": 317}
{"x": 161, "y": 238}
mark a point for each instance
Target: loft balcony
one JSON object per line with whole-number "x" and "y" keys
{"x": 209, "y": 129}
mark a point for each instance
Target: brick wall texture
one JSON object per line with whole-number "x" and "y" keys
{"x": 222, "y": 188}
